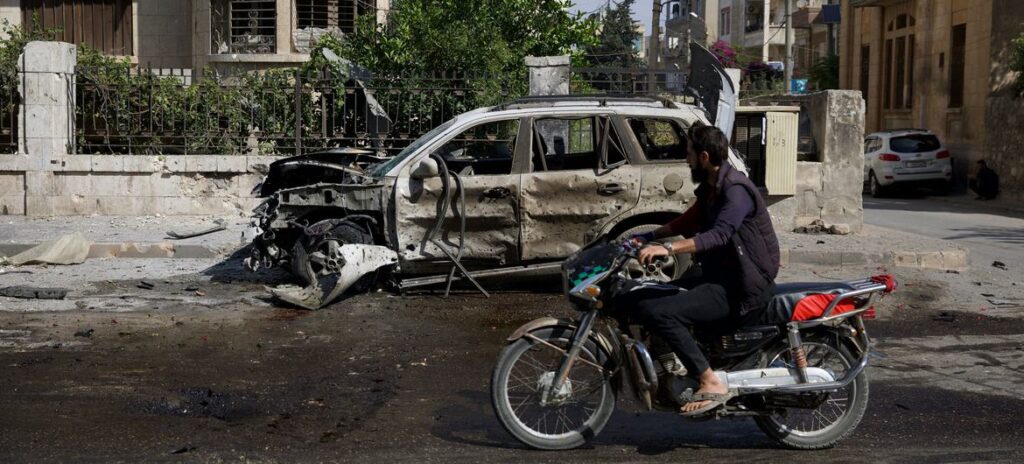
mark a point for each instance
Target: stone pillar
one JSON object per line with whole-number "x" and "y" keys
{"x": 549, "y": 75}
{"x": 46, "y": 122}
{"x": 842, "y": 157}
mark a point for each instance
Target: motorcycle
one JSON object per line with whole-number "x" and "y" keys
{"x": 801, "y": 378}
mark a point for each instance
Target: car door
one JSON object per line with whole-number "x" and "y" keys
{"x": 578, "y": 178}
{"x": 711, "y": 86}
{"x": 868, "y": 149}
{"x": 482, "y": 156}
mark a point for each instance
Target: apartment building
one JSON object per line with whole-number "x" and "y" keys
{"x": 225, "y": 35}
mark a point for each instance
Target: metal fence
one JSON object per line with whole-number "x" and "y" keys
{"x": 626, "y": 81}
{"x": 10, "y": 104}
{"x": 277, "y": 112}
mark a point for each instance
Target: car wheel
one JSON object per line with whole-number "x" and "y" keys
{"x": 877, "y": 191}
{"x": 669, "y": 269}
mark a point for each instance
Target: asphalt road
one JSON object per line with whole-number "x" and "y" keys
{"x": 990, "y": 235}
{"x": 220, "y": 374}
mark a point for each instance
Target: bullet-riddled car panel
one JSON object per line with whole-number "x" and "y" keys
{"x": 522, "y": 183}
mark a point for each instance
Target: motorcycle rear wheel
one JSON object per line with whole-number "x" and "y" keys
{"x": 524, "y": 367}
{"x": 830, "y": 422}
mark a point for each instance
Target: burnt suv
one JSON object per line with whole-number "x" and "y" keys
{"x": 505, "y": 187}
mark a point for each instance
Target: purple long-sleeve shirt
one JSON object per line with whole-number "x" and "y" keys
{"x": 736, "y": 206}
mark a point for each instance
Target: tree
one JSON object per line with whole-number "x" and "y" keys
{"x": 824, "y": 74}
{"x": 474, "y": 36}
{"x": 614, "y": 47}
{"x": 1017, "y": 64}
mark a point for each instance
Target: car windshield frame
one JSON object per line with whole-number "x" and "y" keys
{"x": 381, "y": 169}
{"x": 923, "y": 143}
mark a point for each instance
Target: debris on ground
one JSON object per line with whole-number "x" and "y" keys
{"x": 819, "y": 227}
{"x": 999, "y": 265}
{"x": 1001, "y": 302}
{"x": 944, "y": 317}
{"x": 84, "y": 333}
{"x": 219, "y": 225}
{"x": 36, "y": 293}
{"x": 66, "y": 249}
{"x": 145, "y": 285}
{"x": 183, "y": 450}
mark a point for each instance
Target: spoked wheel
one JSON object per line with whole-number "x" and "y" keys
{"x": 570, "y": 416}
{"x": 835, "y": 418}
{"x": 663, "y": 270}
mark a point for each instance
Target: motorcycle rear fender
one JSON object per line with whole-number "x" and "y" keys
{"x": 552, "y": 323}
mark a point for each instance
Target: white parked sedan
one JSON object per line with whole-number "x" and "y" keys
{"x": 906, "y": 158}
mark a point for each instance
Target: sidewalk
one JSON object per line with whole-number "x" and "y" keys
{"x": 999, "y": 204}
{"x": 146, "y": 237}
{"x": 125, "y": 236}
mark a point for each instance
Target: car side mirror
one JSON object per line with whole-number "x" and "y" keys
{"x": 424, "y": 169}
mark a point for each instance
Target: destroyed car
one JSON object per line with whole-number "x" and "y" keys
{"x": 497, "y": 190}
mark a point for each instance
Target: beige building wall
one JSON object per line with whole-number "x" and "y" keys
{"x": 163, "y": 31}
{"x": 10, "y": 11}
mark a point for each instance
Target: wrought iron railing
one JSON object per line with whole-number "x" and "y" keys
{"x": 10, "y": 104}
{"x": 626, "y": 81}
{"x": 278, "y": 112}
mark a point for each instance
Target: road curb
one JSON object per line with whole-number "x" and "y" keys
{"x": 945, "y": 260}
{"x": 168, "y": 250}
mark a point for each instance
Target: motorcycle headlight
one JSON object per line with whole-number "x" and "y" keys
{"x": 588, "y": 289}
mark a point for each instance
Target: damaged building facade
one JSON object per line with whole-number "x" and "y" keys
{"x": 184, "y": 35}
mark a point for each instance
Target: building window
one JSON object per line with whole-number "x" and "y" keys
{"x": 338, "y": 15}
{"x": 957, "y": 50}
{"x": 754, "y": 16}
{"x": 244, "y": 26}
{"x": 725, "y": 22}
{"x": 899, "y": 64}
{"x": 105, "y": 25}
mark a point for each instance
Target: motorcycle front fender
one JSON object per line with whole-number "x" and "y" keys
{"x": 568, "y": 324}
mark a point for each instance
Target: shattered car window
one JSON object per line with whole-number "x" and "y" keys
{"x": 382, "y": 169}
{"x": 659, "y": 139}
{"x": 484, "y": 149}
{"x": 561, "y": 144}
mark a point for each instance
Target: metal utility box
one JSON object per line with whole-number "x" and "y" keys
{"x": 766, "y": 137}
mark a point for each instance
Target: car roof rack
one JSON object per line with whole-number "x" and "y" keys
{"x": 541, "y": 101}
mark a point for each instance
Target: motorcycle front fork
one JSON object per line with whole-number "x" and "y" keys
{"x": 579, "y": 337}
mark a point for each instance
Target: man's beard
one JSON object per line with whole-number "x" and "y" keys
{"x": 698, "y": 174}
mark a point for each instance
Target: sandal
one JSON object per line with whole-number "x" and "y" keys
{"x": 716, "y": 400}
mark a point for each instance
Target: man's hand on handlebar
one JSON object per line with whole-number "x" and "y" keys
{"x": 651, "y": 252}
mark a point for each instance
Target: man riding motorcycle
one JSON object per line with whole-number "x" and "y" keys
{"x": 730, "y": 233}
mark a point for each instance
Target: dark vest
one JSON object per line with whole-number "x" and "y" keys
{"x": 747, "y": 266}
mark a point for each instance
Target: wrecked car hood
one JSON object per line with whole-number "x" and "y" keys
{"x": 337, "y": 166}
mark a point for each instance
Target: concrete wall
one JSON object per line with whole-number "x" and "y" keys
{"x": 130, "y": 185}
{"x": 829, "y": 189}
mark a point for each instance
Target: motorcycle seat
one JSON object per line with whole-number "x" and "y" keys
{"x": 799, "y": 301}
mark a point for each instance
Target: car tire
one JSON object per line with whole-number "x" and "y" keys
{"x": 876, "y": 189}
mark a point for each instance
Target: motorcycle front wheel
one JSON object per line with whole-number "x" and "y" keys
{"x": 835, "y": 418}
{"x": 579, "y": 409}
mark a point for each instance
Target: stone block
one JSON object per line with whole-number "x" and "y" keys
{"x": 12, "y": 205}
{"x": 12, "y": 183}
{"x": 904, "y": 259}
{"x": 808, "y": 176}
{"x": 174, "y": 163}
{"x": 955, "y": 259}
{"x": 141, "y": 163}
{"x": 137, "y": 185}
{"x": 76, "y": 163}
{"x": 931, "y": 260}
{"x": 200, "y": 163}
{"x": 40, "y": 183}
{"x": 822, "y": 258}
{"x": 784, "y": 256}
{"x": 854, "y": 258}
{"x": 260, "y": 164}
{"x": 72, "y": 183}
{"x": 18, "y": 162}
{"x": 108, "y": 163}
{"x": 231, "y": 163}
